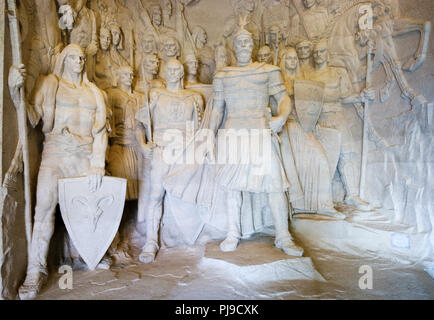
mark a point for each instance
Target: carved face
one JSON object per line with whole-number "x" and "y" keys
{"x": 116, "y": 36}
{"x": 74, "y": 62}
{"x": 170, "y": 48}
{"x": 320, "y": 53}
{"x": 174, "y": 71}
{"x": 243, "y": 47}
{"x": 304, "y": 50}
{"x": 309, "y": 3}
{"x": 151, "y": 64}
{"x": 264, "y": 55}
{"x": 192, "y": 66}
{"x": 149, "y": 45}
{"x": 105, "y": 39}
{"x": 249, "y": 5}
{"x": 274, "y": 35}
{"x": 126, "y": 77}
{"x": 291, "y": 60}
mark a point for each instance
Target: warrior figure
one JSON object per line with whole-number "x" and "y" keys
{"x": 73, "y": 113}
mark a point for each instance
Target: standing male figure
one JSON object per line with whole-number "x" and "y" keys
{"x": 149, "y": 71}
{"x": 338, "y": 91}
{"x": 171, "y": 108}
{"x": 304, "y": 52}
{"x": 73, "y": 113}
{"x": 243, "y": 93}
{"x": 264, "y": 55}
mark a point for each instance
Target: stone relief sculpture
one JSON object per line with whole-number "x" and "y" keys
{"x": 244, "y": 9}
{"x": 191, "y": 67}
{"x": 301, "y": 146}
{"x": 46, "y": 43}
{"x": 126, "y": 135}
{"x": 75, "y": 145}
{"x": 105, "y": 66}
{"x": 125, "y": 140}
{"x": 282, "y": 14}
{"x": 264, "y": 55}
{"x": 221, "y": 58}
{"x": 205, "y": 55}
{"x": 170, "y": 49}
{"x": 260, "y": 81}
{"x": 304, "y": 51}
{"x": 387, "y": 56}
{"x": 338, "y": 90}
{"x": 314, "y": 19}
{"x": 274, "y": 39}
{"x": 83, "y": 32}
{"x": 157, "y": 25}
{"x": 92, "y": 218}
{"x": 170, "y": 108}
{"x": 402, "y": 26}
{"x": 149, "y": 79}
{"x": 117, "y": 44}
{"x": 148, "y": 45}
{"x": 130, "y": 50}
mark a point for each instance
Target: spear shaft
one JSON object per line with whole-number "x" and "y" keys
{"x": 17, "y": 60}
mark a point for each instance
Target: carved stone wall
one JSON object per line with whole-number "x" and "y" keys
{"x": 400, "y": 162}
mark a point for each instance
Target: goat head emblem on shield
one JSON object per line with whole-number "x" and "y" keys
{"x": 92, "y": 219}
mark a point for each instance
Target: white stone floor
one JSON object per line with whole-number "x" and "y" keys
{"x": 256, "y": 270}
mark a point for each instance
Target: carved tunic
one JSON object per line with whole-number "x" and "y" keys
{"x": 171, "y": 110}
{"x": 246, "y": 92}
{"x": 310, "y": 159}
{"x": 123, "y": 158}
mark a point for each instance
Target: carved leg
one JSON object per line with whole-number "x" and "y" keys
{"x": 349, "y": 165}
{"x": 279, "y": 210}
{"x": 154, "y": 212}
{"x": 46, "y": 201}
{"x": 403, "y": 26}
{"x": 349, "y": 172}
{"x": 234, "y": 199}
{"x": 153, "y": 208}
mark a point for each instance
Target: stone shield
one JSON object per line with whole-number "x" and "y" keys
{"x": 309, "y": 99}
{"x": 92, "y": 219}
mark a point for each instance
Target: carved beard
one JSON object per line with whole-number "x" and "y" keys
{"x": 244, "y": 55}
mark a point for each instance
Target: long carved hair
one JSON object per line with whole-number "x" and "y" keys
{"x": 287, "y": 79}
{"x": 60, "y": 63}
{"x": 113, "y": 25}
